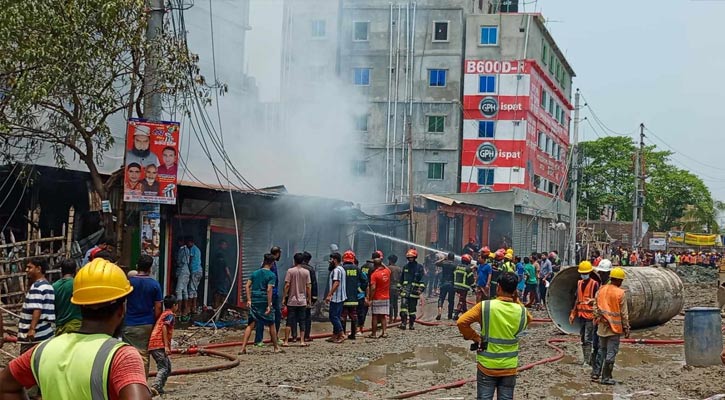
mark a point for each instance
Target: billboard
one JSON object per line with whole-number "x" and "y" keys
{"x": 151, "y": 161}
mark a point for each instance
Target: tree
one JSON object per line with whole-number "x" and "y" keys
{"x": 607, "y": 180}
{"x": 68, "y": 66}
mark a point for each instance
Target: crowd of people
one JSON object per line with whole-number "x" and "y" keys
{"x": 78, "y": 320}
{"x": 622, "y": 256}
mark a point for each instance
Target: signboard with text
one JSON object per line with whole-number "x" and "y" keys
{"x": 151, "y": 161}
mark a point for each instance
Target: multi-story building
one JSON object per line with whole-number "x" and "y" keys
{"x": 516, "y": 106}
{"x": 404, "y": 59}
{"x": 484, "y": 93}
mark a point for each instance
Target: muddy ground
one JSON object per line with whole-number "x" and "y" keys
{"x": 413, "y": 360}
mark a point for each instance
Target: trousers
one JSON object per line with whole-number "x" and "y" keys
{"x": 587, "y": 331}
{"x": 502, "y": 386}
{"x": 447, "y": 293}
{"x": 163, "y": 366}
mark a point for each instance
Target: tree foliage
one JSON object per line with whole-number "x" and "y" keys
{"x": 607, "y": 180}
{"x": 68, "y": 66}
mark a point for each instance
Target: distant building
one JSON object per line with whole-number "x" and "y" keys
{"x": 467, "y": 56}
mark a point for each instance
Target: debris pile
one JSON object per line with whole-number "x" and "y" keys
{"x": 695, "y": 273}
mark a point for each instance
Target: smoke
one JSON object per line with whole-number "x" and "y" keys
{"x": 306, "y": 140}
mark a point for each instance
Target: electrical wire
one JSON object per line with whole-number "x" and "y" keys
{"x": 22, "y": 196}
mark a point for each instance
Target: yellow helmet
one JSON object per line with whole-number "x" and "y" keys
{"x": 617, "y": 273}
{"x": 509, "y": 256}
{"x": 585, "y": 267}
{"x": 509, "y": 251}
{"x": 100, "y": 281}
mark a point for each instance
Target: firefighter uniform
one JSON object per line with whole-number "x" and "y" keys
{"x": 410, "y": 288}
{"x": 462, "y": 281}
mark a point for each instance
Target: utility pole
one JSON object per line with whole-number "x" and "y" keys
{"x": 638, "y": 201}
{"x": 575, "y": 182}
{"x": 409, "y": 139}
{"x": 152, "y": 95}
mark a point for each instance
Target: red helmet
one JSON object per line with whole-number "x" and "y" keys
{"x": 466, "y": 259}
{"x": 348, "y": 256}
{"x": 485, "y": 251}
{"x": 412, "y": 253}
{"x": 500, "y": 253}
{"x": 379, "y": 253}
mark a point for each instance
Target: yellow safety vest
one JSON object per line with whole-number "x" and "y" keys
{"x": 74, "y": 366}
{"x": 502, "y": 322}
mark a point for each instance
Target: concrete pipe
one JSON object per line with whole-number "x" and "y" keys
{"x": 654, "y": 296}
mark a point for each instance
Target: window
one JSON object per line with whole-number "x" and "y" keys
{"x": 543, "y": 98}
{"x": 489, "y": 35}
{"x": 436, "y": 171}
{"x": 361, "y": 123}
{"x": 557, "y": 75}
{"x": 487, "y": 84}
{"x": 552, "y": 188}
{"x": 551, "y": 105}
{"x": 549, "y": 144}
{"x": 544, "y": 51}
{"x": 361, "y": 76}
{"x": 318, "y": 28}
{"x": 360, "y": 31}
{"x": 436, "y": 123}
{"x": 537, "y": 181}
{"x": 437, "y": 77}
{"x": 557, "y": 111}
{"x": 485, "y": 176}
{"x": 551, "y": 62}
{"x": 542, "y": 141}
{"x": 359, "y": 168}
{"x": 440, "y": 31}
{"x": 486, "y": 129}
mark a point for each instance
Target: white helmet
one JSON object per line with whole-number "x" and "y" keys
{"x": 604, "y": 266}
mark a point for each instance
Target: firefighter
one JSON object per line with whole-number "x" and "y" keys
{"x": 411, "y": 286}
{"x": 496, "y": 265}
{"x": 583, "y": 311}
{"x": 462, "y": 282}
{"x": 354, "y": 282}
{"x": 508, "y": 263}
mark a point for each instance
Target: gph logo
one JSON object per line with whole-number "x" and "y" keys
{"x": 487, "y": 153}
{"x": 488, "y": 106}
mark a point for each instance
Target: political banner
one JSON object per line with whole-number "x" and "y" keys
{"x": 151, "y": 162}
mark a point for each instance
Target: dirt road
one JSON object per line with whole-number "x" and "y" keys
{"x": 413, "y": 360}
{"x": 380, "y": 368}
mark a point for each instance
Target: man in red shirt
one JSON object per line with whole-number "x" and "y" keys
{"x": 65, "y": 364}
{"x": 379, "y": 292}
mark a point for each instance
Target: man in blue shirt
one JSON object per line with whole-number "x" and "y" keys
{"x": 143, "y": 308}
{"x": 259, "y": 333}
{"x": 196, "y": 273}
{"x": 483, "y": 277}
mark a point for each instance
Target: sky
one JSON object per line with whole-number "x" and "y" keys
{"x": 641, "y": 61}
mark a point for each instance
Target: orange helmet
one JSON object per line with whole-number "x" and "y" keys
{"x": 412, "y": 253}
{"x": 348, "y": 256}
{"x": 485, "y": 251}
{"x": 466, "y": 259}
{"x": 500, "y": 253}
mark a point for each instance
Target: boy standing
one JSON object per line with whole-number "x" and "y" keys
{"x": 160, "y": 343}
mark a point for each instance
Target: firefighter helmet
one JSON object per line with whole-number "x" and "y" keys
{"x": 412, "y": 253}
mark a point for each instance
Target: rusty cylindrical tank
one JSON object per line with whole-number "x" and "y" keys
{"x": 654, "y": 296}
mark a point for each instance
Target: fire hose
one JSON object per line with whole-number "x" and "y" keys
{"x": 233, "y": 361}
{"x": 550, "y": 342}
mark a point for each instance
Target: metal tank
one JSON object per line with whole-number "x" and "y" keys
{"x": 654, "y": 296}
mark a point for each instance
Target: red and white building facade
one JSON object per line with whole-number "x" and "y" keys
{"x": 515, "y": 128}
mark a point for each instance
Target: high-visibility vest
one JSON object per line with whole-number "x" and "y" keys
{"x": 508, "y": 266}
{"x": 502, "y": 322}
{"x": 74, "y": 366}
{"x": 462, "y": 277}
{"x": 608, "y": 299}
{"x": 584, "y": 294}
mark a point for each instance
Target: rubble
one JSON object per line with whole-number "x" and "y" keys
{"x": 695, "y": 273}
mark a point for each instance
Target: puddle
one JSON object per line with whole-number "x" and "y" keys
{"x": 436, "y": 359}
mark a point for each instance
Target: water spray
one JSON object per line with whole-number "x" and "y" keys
{"x": 409, "y": 243}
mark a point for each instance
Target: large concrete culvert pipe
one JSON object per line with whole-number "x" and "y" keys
{"x": 654, "y": 296}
